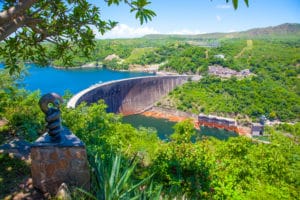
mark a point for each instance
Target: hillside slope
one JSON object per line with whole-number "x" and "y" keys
{"x": 283, "y": 30}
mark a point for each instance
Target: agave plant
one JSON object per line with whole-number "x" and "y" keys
{"x": 112, "y": 181}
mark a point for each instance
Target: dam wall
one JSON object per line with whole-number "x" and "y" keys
{"x": 129, "y": 96}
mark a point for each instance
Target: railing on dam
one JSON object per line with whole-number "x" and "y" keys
{"x": 129, "y": 96}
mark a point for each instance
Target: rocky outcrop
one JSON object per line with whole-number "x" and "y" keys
{"x": 225, "y": 72}
{"x": 111, "y": 57}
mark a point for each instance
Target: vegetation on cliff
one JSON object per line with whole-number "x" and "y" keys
{"x": 253, "y": 97}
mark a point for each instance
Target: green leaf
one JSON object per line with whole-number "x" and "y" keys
{"x": 110, "y": 2}
{"x": 235, "y": 4}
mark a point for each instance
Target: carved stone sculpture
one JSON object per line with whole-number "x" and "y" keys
{"x": 58, "y": 156}
{"x": 49, "y": 104}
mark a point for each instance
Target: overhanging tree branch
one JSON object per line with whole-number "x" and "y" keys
{"x": 11, "y": 27}
{"x": 15, "y": 11}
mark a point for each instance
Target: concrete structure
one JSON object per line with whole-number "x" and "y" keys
{"x": 218, "y": 122}
{"x": 129, "y": 96}
{"x": 56, "y": 163}
{"x": 257, "y": 129}
{"x": 221, "y": 56}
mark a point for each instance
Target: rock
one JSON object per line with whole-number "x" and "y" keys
{"x": 63, "y": 192}
{"x": 111, "y": 57}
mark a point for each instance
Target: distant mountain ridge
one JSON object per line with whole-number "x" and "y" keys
{"x": 282, "y": 30}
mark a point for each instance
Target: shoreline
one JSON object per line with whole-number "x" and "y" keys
{"x": 178, "y": 116}
{"x": 169, "y": 114}
{"x": 92, "y": 65}
{"x": 99, "y": 65}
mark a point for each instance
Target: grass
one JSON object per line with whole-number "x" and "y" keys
{"x": 137, "y": 54}
{"x": 248, "y": 47}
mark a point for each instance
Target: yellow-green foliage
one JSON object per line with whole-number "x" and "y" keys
{"x": 137, "y": 54}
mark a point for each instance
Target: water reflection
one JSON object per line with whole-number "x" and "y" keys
{"x": 165, "y": 128}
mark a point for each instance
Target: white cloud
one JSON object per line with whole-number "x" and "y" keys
{"x": 218, "y": 18}
{"x": 125, "y": 31}
{"x": 223, "y": 6}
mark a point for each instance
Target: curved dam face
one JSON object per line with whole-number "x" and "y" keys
{"x": 129, "y": 96}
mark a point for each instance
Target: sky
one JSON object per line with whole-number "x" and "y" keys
{"x": 199, "y": 16}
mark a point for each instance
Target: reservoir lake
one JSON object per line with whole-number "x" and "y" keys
{"x": 49, "y": 79}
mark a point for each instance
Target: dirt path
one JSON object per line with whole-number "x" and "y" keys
{"x": 206, "y": 54}
{"x": 248, "y": 47}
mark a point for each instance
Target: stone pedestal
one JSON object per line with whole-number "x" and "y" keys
{"x": 61, "y": 162}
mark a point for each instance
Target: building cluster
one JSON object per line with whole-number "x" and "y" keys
{"x": 257, "y": 129}
{"x": 225, "y": 72}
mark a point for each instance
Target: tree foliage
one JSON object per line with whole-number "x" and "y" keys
{"x": 66, "y": 24}
{"x": 20, "y": 108}
{"x": 253, "y": 97}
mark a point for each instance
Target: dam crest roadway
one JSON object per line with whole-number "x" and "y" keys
{"x": 133, "y": 95}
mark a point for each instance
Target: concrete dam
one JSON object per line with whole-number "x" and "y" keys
{"x": 129, "y": 96}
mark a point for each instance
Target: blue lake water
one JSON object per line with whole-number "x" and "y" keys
{"x": 49, "y": 79}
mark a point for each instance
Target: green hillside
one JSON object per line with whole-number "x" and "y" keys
{"x": 283, "y": 30}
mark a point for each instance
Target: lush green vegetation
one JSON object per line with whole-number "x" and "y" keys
{"x": 273, "y": 91}
{"x": 251, "y": 96}
{"x": 20, "y": 108}
{"x": 131, "y": 49}
{"x": 194, "y": 54}
{"x": 238, "y": 168}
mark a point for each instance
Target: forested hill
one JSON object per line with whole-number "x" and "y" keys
{"x": 283, "y": 30}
